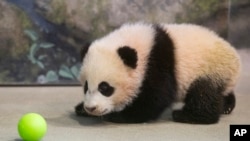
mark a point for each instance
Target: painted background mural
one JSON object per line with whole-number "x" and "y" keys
{"x": 40, "y": 40}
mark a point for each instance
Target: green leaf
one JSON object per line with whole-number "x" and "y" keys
{"x": 46, "y": 45}
{"x": 75, "y": 70}
{"x": 65, "y": 72}
{"x": 40, "y": 64}
{"x": 65, "y": 68}
{"x": 31, "y": 34}
{"x": 51, "y": 76}
{"x": 32, "y": 59}
{"x": 33, "y": 49}
{"x": 41, "y": 57}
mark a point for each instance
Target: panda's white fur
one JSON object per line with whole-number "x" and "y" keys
{"x": 198, "y": 52}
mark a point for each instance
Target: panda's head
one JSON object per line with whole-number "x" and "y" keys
{"x": 113, "y": 68}
{"x": 107, "y": 77}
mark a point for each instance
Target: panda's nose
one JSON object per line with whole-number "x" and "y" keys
{"x": 90, "y": 109}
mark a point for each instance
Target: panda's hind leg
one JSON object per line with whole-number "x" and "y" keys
{"x": 229, "y": 103}
{"x": 203, "y": 103}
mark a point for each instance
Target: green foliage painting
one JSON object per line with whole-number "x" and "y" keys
{"x": 35, "y": 50}
{"x": 40, "y": 40}
{"x": 36, "y": 57}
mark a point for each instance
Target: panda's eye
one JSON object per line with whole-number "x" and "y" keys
{"x": 85, "y": 87}
{"x": 105, "y": 89}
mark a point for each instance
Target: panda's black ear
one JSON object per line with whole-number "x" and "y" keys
{"x": 128, "y": 56}
{"x": 84, "y": 50}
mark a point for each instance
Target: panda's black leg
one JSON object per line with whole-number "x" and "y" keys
{"x": 229, "y": 103}
{"x": 203, "y": 103}
{"x": 80, "y": 111}
{"x": 117, "y": 118}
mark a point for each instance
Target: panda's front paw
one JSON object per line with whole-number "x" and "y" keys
{"x": 111, "y": 118}
{"x": 115, "y": 118}
{"x": 80, "y": 111}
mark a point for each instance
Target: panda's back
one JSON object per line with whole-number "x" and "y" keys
{"x": 199, "y": 52}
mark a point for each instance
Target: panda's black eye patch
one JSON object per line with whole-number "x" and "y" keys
{"x": 86, "y": 87}
{"x": 105, "y": 89}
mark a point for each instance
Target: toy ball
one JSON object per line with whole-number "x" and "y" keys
{"x": 32, "y": 127}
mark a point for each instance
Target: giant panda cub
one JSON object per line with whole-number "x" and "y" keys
{"x": 137, "y": 71}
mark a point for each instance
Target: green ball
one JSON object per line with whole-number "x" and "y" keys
{"x": 32, "y": 127}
